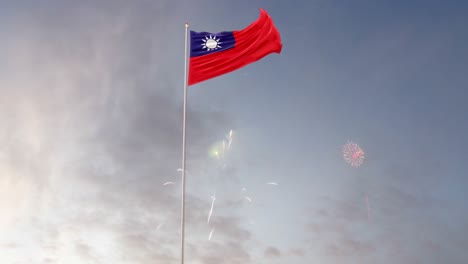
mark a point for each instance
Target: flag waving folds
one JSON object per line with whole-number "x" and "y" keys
{"x": 215, "y": 54}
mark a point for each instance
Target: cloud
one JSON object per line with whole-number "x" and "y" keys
{"x": 272, "y": 252}
{"x": 298, "y": 252}
{"x": 91, "y": 111}
{"x": 349, "y": 247}
{"x": 339, "y": 229}
{"x": 230, "y": 253}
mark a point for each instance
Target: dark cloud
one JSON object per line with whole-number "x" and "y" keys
{"x": 85, "y": 252}
{"x": 341, "y": 224}
{"x": 350, "y": 248}
{"x": 231, "y": 253}
{"x": 229, "y": 227}
{"x": 272, "y": 252}
{"x": 298, "y": 252}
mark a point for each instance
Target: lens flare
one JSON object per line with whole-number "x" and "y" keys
{"x": 216, "y": 150}
{"x": 219, "y": 150}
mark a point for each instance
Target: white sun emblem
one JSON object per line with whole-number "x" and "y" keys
{"x": 211, "y": 43}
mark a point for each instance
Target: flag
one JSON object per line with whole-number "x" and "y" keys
{"x": 215, "y": 54}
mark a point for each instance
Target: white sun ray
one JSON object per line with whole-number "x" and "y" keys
{"x": 211, "y": 43}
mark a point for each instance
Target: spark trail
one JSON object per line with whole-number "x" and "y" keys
{"x": 211, "y": 233}
{"x": 213, "y": 198}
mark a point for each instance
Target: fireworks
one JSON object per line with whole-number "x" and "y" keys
{"x": 186, "y": 172}
{"x": 167, "y": 183}
{"x": 211, "y": 233}
{"x": 353, "y": 154}
{"x": 221, "y": 148}
{"x": 213, "y": 198}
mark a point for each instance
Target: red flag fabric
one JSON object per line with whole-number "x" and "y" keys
{"x": 215, "y": 54}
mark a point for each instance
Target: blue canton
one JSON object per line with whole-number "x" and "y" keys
{"x": 204, "y": 43}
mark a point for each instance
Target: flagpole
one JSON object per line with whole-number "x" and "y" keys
{"x": 182, "y": 222}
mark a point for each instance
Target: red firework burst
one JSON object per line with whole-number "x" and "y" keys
{"x": 353, "y": 154}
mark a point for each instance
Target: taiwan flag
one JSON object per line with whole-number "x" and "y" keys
{"x": 215, "y": 54}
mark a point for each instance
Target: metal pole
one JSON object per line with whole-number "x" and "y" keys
{"x": 182, "y": 222}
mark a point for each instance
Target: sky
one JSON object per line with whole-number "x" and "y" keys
{"x": 91, "y": 99}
